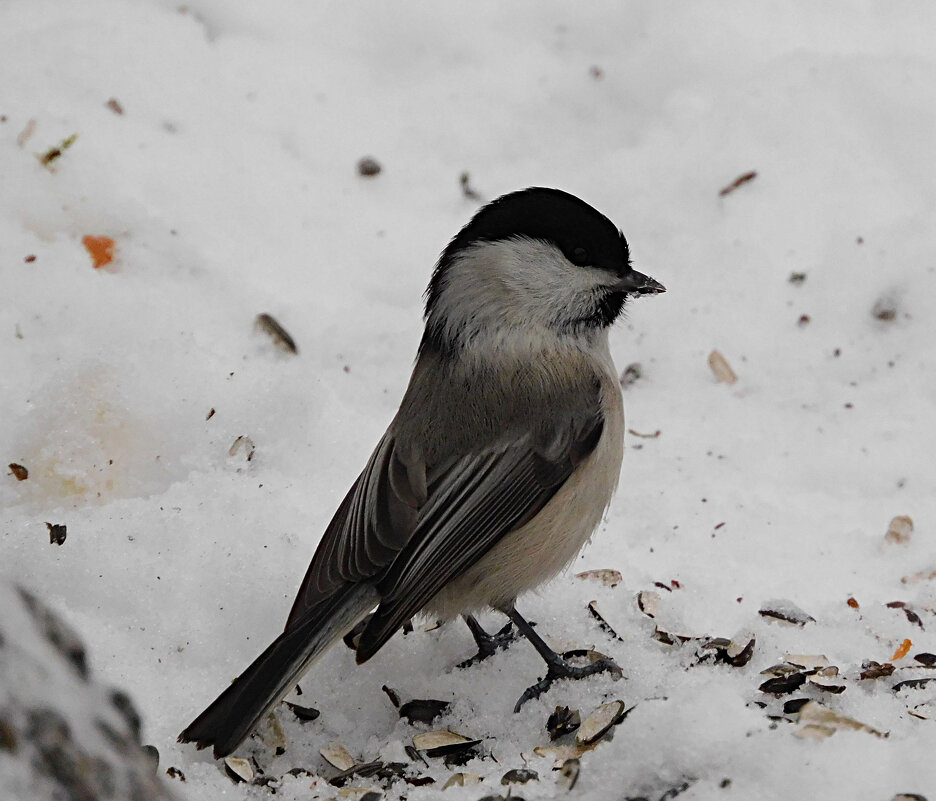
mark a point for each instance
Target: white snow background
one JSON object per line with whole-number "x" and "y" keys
{"x": 230, "y": 185}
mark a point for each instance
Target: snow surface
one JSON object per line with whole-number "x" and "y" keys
{"x": 230, "y": 186}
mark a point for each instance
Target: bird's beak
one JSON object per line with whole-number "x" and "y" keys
{"x": 639, "y": 284}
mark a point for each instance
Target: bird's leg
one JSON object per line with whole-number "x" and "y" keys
{"x": 488, "y": 644}
{"x": 556, "y": 666}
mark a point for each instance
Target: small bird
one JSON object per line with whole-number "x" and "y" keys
{"x": 498, "y": 466}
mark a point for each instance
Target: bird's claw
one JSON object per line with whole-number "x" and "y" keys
{"x": 561, "y": 669}
{"x": 489, "y": 644}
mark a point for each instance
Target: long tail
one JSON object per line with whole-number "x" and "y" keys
{"x": 226, "y": 723}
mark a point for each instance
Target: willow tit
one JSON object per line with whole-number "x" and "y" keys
{"x": 497, "y": 467}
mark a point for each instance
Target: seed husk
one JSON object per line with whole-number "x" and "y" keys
{"x": 238, "y": 770}
{"x": 337, "y": 756}
{"x": 599, "y": 723}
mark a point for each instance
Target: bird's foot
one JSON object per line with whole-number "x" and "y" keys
{"x": 559, "y": 668}
{"x": 488, "y": 644}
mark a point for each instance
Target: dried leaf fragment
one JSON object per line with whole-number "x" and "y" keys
{"x": 100, "y": 248}
{"x": 605, "y": 576}
{"x": 899, "y": 530}
{"x": 20, "y": 472}
{"x": 720, "y": 367}
{"x": 902, "y": 650}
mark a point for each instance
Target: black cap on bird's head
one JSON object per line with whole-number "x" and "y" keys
{"x": 583, "y": 235}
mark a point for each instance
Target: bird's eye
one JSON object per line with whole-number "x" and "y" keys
{"x": 579, "y": 256}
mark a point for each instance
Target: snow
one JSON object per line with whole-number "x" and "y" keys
{"x": 230, "y": 186}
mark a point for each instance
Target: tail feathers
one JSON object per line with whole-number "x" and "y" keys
{"x": 226, "y": 723}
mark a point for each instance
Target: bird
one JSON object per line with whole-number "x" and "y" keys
{"x": 495, "y": 471}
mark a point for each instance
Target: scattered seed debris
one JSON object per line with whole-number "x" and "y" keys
{"x": 899, "y": 530}
{"x": 368, "y": 167}
{"x": 885, "y": 308}
{"x": 563, "y": 721}
{"x": 797, "y": 278}
{"x": 443, "y": 743}
{"x": 827, "y": 680}
{"x": 923, "y": 575}
{"x": 57, "y": 533}
{"x": 306, "y": 714}
{"x": 911, "y": 616}
{"x": 654, "y": 435}
{"x": 467, "y": 190}
{"x": 632, "y": 373}
{"x": 853, "y": 603}
{"x": 20, "y": 472}
{"x": 423, "y": 710}
{"x": 175, "y": 773}
{"x": 114, "y": 105}
{"x": 720, "y": 367}
{"x": 741, "y": 180}
{"x": 602, "y": 623}
{"x": 605, "y": 576}
{"x": 238, "y": 770}
{"x": 337, "y": 756}
{"x": 280, "y": 336}
{"x": 783, "y": 685}
{"x": 30, "y": 258}
{"x": 736, "y": 652}
{"x": 462, "y": 779}
{"x": 648, "y": 602}
{"x": 53, "y": 154}
{"x": 211, "y": 413}
{"x": 914, "y": 684}
{"x": 874, "y": 670}
{"x": 785, "y": 612}
{"x": 519, "y": 776}
{"x": 804, "y": 320}
{"x": 244, "y": 447}
{"x": 26, "y": 134}
{"x": 569, "y": 773}
{"x": 925, "y": 659}
{"x": 600, "y": 722}
{"x": 392, "y": 695}
{"x": 822, "y": 722}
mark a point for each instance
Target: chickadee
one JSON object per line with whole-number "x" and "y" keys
{"x": 498, "y": 465}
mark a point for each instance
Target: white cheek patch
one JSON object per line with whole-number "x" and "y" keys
{"x": 515, "y": 284}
